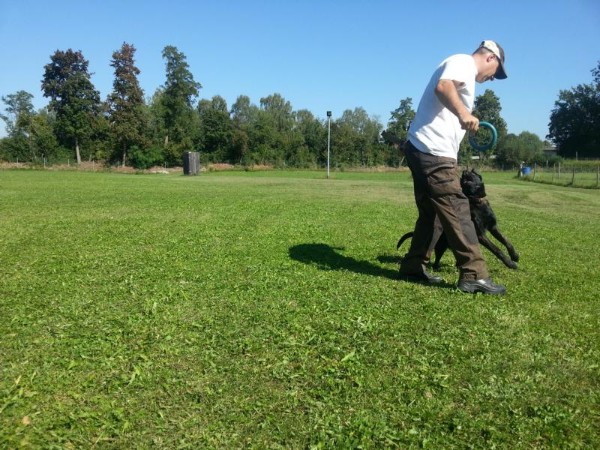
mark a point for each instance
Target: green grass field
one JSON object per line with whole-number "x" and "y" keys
{"x": 262, "y": 310}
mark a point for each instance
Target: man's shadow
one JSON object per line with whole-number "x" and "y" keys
{"x": 326, "y": 257}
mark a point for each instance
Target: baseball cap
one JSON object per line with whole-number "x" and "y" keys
{"x": 499, "y": 52}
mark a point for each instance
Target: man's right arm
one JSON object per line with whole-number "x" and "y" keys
{"x": 446, "y": 91}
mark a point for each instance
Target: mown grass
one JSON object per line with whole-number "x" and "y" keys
{"x": 262, "y": 310}
{"x": 580, "y": 179}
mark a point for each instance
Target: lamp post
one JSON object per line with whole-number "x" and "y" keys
{"x": 328, "y": 139}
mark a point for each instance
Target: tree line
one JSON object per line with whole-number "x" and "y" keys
{"x": 128, "y": 129}
{"x": 575, "y": 120}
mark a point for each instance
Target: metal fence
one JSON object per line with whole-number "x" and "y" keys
{"x": 585, "y": 175}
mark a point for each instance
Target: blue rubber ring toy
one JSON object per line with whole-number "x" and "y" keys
{"x": 487, "y": 145}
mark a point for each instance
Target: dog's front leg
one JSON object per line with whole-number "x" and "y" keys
{"x": 485, "y": 241}
{"x": 509, "y": 247}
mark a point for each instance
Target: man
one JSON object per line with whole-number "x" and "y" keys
{"x": 442, "y": 119}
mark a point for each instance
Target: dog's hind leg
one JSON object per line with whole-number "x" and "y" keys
{"x": 440, "y": 248}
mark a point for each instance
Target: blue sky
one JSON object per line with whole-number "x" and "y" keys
{"x": 319, "y": 55}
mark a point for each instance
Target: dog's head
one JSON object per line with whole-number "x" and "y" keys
{"x": 472, "y": 184}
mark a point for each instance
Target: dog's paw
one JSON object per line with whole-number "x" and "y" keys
{"x": 512, "y": 265}
{"x": 515, "y": 257}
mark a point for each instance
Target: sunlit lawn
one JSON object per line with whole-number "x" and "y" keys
{"x": 262, "y": 309}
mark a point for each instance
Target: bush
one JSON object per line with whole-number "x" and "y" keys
{"x": 146, "y": 158}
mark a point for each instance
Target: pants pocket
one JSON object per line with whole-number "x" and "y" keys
{"x": 443, "y": 181}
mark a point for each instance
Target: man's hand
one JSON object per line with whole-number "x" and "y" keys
{"x": 469, "y": 122}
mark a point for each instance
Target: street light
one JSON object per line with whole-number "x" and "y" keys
{"x": 328, "y": 139}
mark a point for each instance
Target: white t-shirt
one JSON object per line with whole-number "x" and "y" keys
{"x": 435, "y": 129}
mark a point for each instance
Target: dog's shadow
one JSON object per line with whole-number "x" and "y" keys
{"x": 326, "y": 257}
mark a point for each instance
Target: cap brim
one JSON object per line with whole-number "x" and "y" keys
{"x": 500, "y": 73}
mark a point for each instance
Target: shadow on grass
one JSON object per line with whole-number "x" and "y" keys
{"x": 388, "y": 259}
{"x": 326, "y": 257}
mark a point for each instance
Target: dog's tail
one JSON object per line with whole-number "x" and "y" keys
{"x": 403, "y": 238}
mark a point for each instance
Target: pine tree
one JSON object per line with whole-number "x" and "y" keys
{"x": 73, "y": 98}
{"x": 126, "y": 106}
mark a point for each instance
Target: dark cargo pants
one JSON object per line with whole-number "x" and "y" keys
{"x": 438, "y": 194}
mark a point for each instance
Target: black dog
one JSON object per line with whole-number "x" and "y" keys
{"x": 483, "y": 218}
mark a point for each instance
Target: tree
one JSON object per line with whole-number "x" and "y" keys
{"x": 73, "y": 98}
{"x": 265, "y": 134}
{"x": 279, "y": 110}
{"x": 216, "y": 129}
{"x": 575, "y": 120}
{"x": 178, "y": 98}
{"x": 156, "y": 118}
{"x": 18, "y": 117}
{"x": 400, "y": 119}
{"x": 243, "y": 112}
{"x": 396, "y": 133}
{"x": 126, "y": 113}
{"x": 42, "y": 141}
{"x": 273, "y": 138}
{"x": 314, "y": 136}
{"x": 513, "y": 150}
{"x": 30, "y": 134}
{"x": 19, "y": 111}
{"x": 486, "y": 108}
{"x": 243, "y": 115}
{"x": 356, "y": 139}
